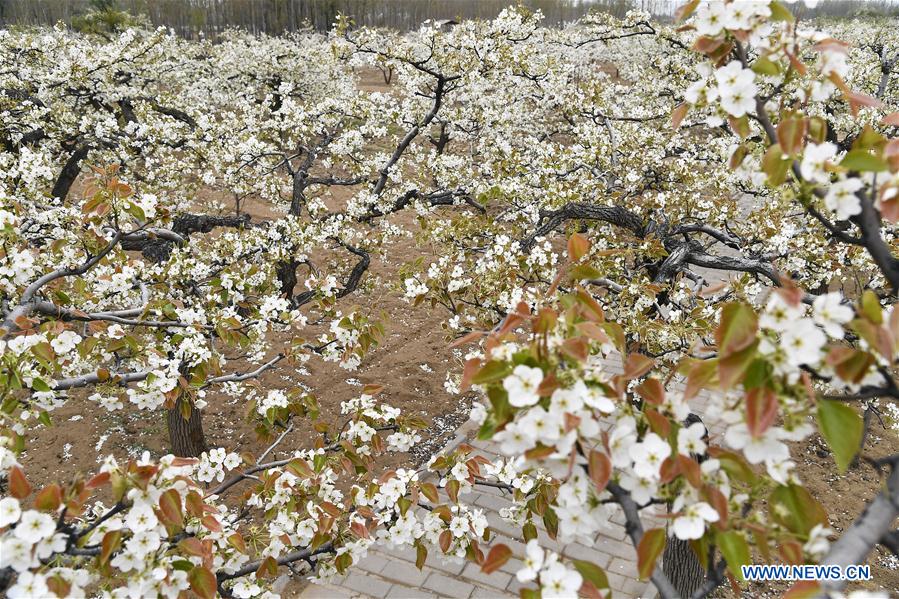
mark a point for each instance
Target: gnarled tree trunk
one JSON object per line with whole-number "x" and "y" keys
{"x": 185, "y": 434}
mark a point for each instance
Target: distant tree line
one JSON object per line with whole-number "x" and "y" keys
{"x": 191, "y": 17}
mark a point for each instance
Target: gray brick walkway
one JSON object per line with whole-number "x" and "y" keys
{"x": 391, "y": 573}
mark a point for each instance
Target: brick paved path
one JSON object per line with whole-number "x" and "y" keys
{"x": 391, "y": 573}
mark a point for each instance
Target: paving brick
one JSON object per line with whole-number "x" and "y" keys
{"x": 405, "y": 553}
{"x": 616, "y": 531}
{"x": 498, "y": 579}
{"x": 617, "y": 582}
{"x": 399, "y": 591}
{"x": 495, "y": 491}
{"x": 437, "y": 561}
{"x": 615, "y": 547}
{"x": 512, "y": 566}
{"x": 623, "y": 566}
{"x": 404, "y": 572}
{"x": 373, "y": 563}
{"x": 448, "y": 587}
{"x": 635, "y": 588}
{"x": 493, "y": 502}
{"x": 370, "y": 585}
{"x": 483, "y": 593}
{"x": 515, "y": 586}
{"x": 590, "y": 554}
{"x": 315, "y": 591}
{"x": 501, "y": 526}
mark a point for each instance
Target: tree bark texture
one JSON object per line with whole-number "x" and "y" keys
{"x": 185, "y": 434}
{"x": 682, "y": 567}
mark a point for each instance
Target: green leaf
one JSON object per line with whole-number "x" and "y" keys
{"x": 765, "y": 66}
{"x": 842, "y": 427}
{"x": 493, "y": 370}
{"x": 870, "y": 307}
{"x": 776, "y": 165}
{"x": 735, "y": 550}
{"x": 734, "y": 464}
{"x": 40, "y": 385}
{"x": 592, "y": 573}
{"x": 737, "y": 328}
{"x": 585, "y": 271}
{"x": 793, "y": 507}
{"x": 863, "y": 161}
{"x": 779, "y": 12}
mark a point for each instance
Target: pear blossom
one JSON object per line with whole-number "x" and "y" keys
{"x": 522, "y": 385}
{"x": 814, "y": 160}
{"x": 35, "y": 526}
{"x": 648, "y": 455}
{"x": 737, "y": 88}
{"x": 757, "y": 449}
{"x": 690, "y": 439}
{"x": 560, "y": 581}
{"x": 533, "y": 562}
{"x": 691, "y": 522}
{"x": 803, "y": 341}
{"x": 829, "y": 312}
{"x": 29, "y": 586}
{"x": 841, "y": 198}
{"x": 9, "y": 511}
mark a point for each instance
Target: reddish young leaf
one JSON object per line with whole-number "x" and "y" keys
{"x": 649, "y": 550}
{"x": 658, "y": 423}
{"x": 211, "y": 523}
{"x": 718, "y": 501}
{"x": 700, "y": 373}
{"x": 685, "y": 10}
{"x": 236, "y": 541}
{"x": 791, "y": 552}
{"x": 19, "y": 487}
{"x": 192, "y": 546}
{"x": 202, "y": 582}
{"x": 578, "y": 246}
{"x": 109, "y": 544}
{"x": 690, "y": 469}
{"x": 170, "y": 506}
{"x": 678, "y": 115}
{"x": 761, "y": 410}
{"x": 98, "y": 480}
{"x": 669, "y": 470}
{"x": 600, "y": 468}
{"x": 637, "y": 365}
{"x": 652, "y": 391}
{"x": 452, "y": 489}
{"x": 268, "y": 568}
{"x": 49, "y": 499}
{"x": 465, "y": 339}
{"x": 498, "y": 556}
{"x": 429, "y": 491}
{"x": 59, "y": 585}
{"x": 445, "y": 540}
